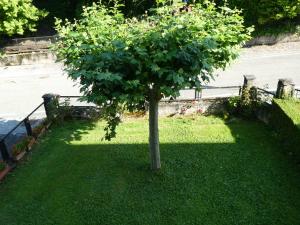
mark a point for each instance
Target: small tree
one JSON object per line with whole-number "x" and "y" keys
{"x": 121, "y": 63}
{"x": 16, "y": 16}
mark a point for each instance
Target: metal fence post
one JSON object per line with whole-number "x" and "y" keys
{"x": 197, "y": 94}
{"x": 28, "y": 126}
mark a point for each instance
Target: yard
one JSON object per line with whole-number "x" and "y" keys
{"x": 214, "y": 172}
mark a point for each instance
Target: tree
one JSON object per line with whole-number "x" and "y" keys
{"x": 121, "y": 63}
{"x": 16, "y": 16}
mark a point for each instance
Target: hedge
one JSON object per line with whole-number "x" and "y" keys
{"x": 285, "y": 119}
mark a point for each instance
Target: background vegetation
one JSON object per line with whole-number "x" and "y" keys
{"x": 18, "y": 16}
{"x": 268, "y": 16}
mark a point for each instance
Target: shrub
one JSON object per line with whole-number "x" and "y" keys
{"x": 245, "y": 105}
{"x": 286, "y": 120}
{"x": 21, "y": 146}
{"x": 233, "y": 105}
{"x": 2, "y": 165}
{"x": 37, "y": 130}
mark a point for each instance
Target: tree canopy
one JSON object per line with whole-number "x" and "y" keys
{"x": 17, "y": 16}
{"x": 123, "y": 63}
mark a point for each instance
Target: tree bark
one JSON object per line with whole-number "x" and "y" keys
{"x": 153, "y": 132}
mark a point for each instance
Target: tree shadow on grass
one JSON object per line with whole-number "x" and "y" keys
{"x": 244, "y": 182}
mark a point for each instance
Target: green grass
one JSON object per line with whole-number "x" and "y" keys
{"x": 291, "y": 108}
{"x": 213, "y": 173}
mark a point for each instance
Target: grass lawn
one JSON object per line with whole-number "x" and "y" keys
{"x": 213, "y": 173}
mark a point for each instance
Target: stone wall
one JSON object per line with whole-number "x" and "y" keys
{"x": 273, "y": 39}
{"x": 28, "y": 59}
{"x": 203, "y": 106}
{"x": 46, "y": 56}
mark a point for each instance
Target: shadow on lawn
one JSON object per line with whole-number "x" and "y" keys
{"x": 249, "y": 149}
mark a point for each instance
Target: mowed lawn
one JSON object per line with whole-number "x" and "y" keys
{"x": 213, "y": 173}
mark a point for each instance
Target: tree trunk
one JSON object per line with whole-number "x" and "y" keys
{"x": 153, "y": 133}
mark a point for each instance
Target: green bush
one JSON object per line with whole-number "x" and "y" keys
{"x": 37, "y": 130}
{"x": 2, "y": 166}
{"x": 286, "y": 120}
{"x": 21, "y": 146}
{"x": 233, "y": 105}
{"x": 245, "y": 105}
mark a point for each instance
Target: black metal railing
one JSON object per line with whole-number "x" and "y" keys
{"x": 26, "y": 45}
{"x": 5, "y": 152}
{"x": 73, "y": 100}
{"x": 268, "y": 92}
{"x": 194, "y": 93}
{"x": 49, "y": 39}
{"x": 237, "y": 90}
{"x": 264, "y": 95}
{"x": 203, "y": 93}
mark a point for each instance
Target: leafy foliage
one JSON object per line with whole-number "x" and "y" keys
{"x": 69, "y": 9}
{"x": 266, "y": 11}
{"x": 17, "y": 16}
{"x": 245, "y": 105}
{"x": 233, "y": 105}
{"x": 128, "y": 7}
{"x": 121, "y": 62}
{"x": 2, "y": 165}
{"x": 21, "y": 146}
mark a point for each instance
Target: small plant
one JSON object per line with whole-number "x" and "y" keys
{"x": 37, "y": 130}
{"x": 53, "y": 109}
{"x": 200, "y": 111}
{"x": 187, "y": 106}
{"x": 245, "y": 105}
{"x": 21, "y": 146}
{"x": 59, "y": 111}
{"x": 2, "y": 166}
{"x": 233, "y": 105}
{"x": 64, "y": 110}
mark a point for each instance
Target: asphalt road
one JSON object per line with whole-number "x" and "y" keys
{"x": 21, "y": 87}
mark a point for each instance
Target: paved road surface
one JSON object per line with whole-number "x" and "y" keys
{"x": 21, "y": 87}
{"x": 267, "y": 63}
